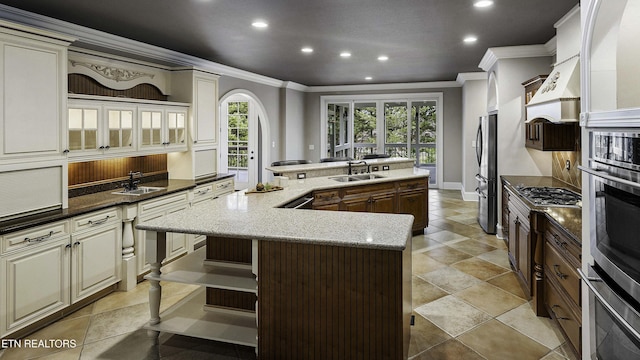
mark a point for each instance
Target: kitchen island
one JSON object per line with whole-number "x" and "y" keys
{"x": 320, "y": 284}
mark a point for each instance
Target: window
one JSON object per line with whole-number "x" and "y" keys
{"x": 400, "y": 125}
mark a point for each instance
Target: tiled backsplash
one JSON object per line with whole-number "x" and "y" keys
{"x": 573, "y": 175}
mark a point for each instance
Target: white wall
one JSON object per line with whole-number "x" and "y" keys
{"x": 293, "y": 124}
{"x": 474, "y": 105}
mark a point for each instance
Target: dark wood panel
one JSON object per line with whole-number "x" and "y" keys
{"x": 229, "y": 249}
{"x": 82, "y": 84}
{"x": 108, "y": 170}
{"x": 231, "y": 299}
{"x": 327, "y": 302}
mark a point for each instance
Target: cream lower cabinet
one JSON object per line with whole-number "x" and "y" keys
{"x": 153, "y": 209}
{"x": 96, "y": 252}
{"x": 34, "y": 275}
{"x": 47, "y": 268}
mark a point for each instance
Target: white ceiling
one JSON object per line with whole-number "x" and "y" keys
{"x": 422, "y": 38}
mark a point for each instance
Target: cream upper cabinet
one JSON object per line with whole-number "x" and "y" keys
{"x": 97, "y": 128}
{"x": 205, "y": 105}
{"x": 33, "y": 86}
{"x": 162, "y": 128}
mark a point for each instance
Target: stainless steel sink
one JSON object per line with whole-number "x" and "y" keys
{"x": 141, "y": 190}
{"x": 359, "y": 177}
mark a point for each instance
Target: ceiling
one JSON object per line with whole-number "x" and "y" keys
{"x": 422, "y": 38}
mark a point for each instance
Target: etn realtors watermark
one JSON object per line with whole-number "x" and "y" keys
{"x": 38, "y": 343}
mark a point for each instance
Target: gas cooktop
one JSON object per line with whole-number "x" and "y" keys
{"x": 550, "y": 196}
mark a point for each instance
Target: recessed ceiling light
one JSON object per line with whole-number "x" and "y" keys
{"x": 260, "y": 24}
{"x": 345, "y": 54}
{"x": 470, "y": 39}
{"x": 383, "y": 58}
{"x": 368, "y": 78}
{"x": 306, "y": 50}
{"x": 483, "y": 3}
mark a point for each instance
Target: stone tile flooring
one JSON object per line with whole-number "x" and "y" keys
{"x": 467, "y": 305}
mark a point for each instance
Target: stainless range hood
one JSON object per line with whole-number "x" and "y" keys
{"x": 558, "y": 99}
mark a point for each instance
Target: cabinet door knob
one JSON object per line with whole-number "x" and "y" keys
{"x": 556, "y": 269}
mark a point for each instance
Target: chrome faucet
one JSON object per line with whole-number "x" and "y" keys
{"x": 132, "y": 184}
{"x": 350, "y": 163}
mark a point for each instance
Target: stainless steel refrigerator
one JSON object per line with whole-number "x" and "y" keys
{"x": 487, "y": 176}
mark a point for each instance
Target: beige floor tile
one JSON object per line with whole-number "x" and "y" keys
{"x": 508, "y": 282}
{"x": 490, "y": 299}
{"x": 472, "y": 247}
{"x": 566, "y": 351}
{"x": 423, "y": 243}
{"x": 450, "y": 279}
{"x": 425, "y": 335}
{"x": 479, "y": 268}
{"x": 445, "y": 236}
{"x": 495, "y": 340}
{"x": 120, "y": 299}
{"x": 498, "y": 257}
{"x": 422, "y": 264}
{"x": 117, "y": 322}
{"x": 541, "y": 329}
{"x": 424, "y": 292}
{"x": 452, "y": 315}
{"x": 447, "y": 255}
{"x": 72, "y": 330}
{"x": 71, "y": 354}
{"x": 464, "y": 218}
{"x": 449, "y": 350}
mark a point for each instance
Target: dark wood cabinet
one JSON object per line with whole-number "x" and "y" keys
{"x": 562, "y": 286}
{"x": 547, "y": 136}
{"x": 520, "y": 242}
{"x": 541, "y": 134}
{"x": 401, "y": 197}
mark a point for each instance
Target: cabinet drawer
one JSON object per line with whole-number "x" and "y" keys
{"x": 224, "y": 187}
{"x": 564, "y": 245}
{"x": 369, "y": 189}
{"x": 95, "y": 219}
{"x": 203, "y": 193}
{"x": 564, "y": 273}
{"x": 34, "y": 236}
{"x": 569, "y": 321}
{"x": 328, "y": 196}
{"x": 412, "y": 184}
{"x": 163, "y": 203}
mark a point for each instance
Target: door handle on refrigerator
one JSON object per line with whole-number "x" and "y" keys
{"x": 480, "y": 193}
{"x": 480, "y": 178}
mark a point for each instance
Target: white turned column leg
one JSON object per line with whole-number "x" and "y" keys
{"x": 156, "y": 249}
{"x": 127, "y": 239}
{"x": 155, "y": 293}
{"x": 129, "y": 273}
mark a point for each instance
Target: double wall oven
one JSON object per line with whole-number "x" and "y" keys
{"x": 614, "y": 278}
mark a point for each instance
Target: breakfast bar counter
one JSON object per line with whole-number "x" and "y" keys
{"x": 319, "y": 284}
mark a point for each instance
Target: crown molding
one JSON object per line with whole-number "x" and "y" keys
{"x": 390, "y": 86}
{"x": 511, "y": 52}
{"x": 567, "y": 16}
{"x": 295, "y": 86}
{"x": 99, "y": 39}
{"x": 471, "y": 76}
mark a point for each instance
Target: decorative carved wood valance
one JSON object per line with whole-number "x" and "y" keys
{"x": 112, "y": 73}
{"x": 83, "y": 84}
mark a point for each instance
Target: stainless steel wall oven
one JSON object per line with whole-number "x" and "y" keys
{"x": 614, "y": 280}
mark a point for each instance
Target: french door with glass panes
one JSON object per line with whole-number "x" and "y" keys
{"x": 241, "y": 132}
{"x": 406, "y": 127}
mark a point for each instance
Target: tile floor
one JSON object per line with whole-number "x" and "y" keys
{"x": 467, "y": 302}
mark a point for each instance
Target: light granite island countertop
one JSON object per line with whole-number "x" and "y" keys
{"x": 332, "y": 284}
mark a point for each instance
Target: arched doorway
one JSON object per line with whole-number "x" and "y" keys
{"x": 244, "y": 134}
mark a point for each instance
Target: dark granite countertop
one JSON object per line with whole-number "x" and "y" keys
{"x": 79, "y": 205}
{"x": 568, "y": 218}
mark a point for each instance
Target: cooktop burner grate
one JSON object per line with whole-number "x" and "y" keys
{"x": 550, "y": 196}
